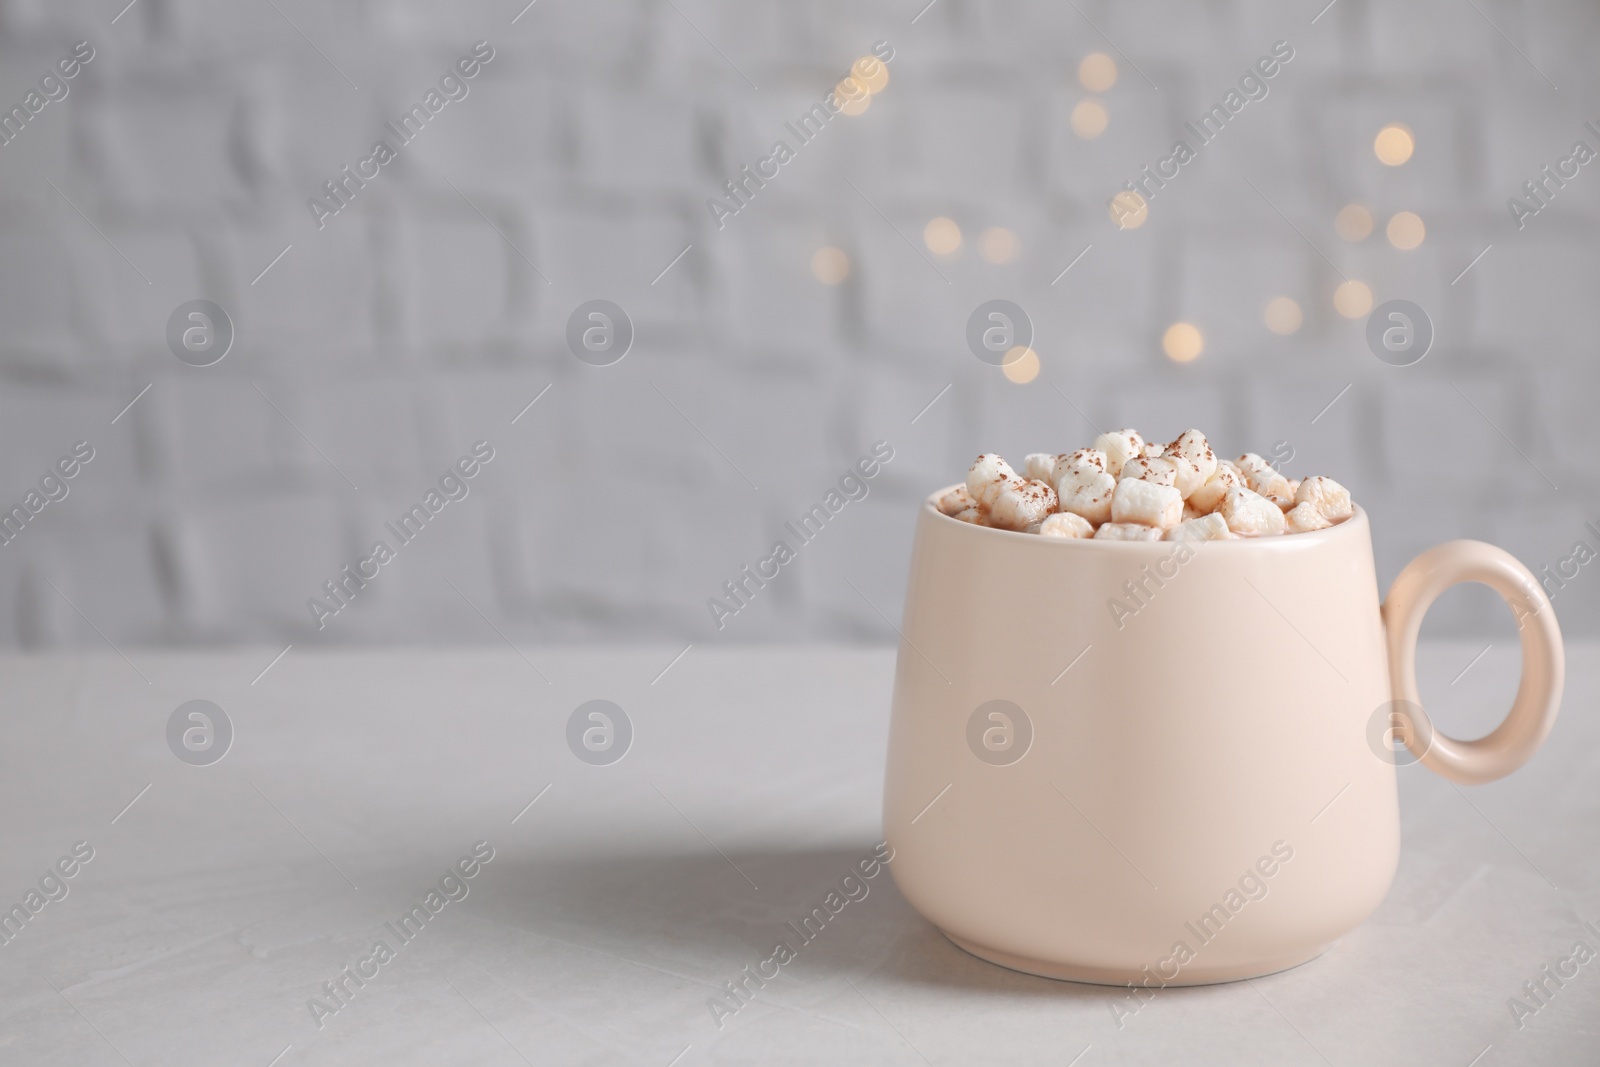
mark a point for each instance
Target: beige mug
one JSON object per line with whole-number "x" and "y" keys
{"x": 1172, "y": 763}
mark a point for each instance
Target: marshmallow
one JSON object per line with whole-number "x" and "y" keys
{"x": 957, "y": 499}
{"x": 1188, "y": 477}
{"x": 1303, "y": 518}
{"x": 1152, "y": 450}
{"x": 1020, "y": 503}
{"x": 1249, "y": 463}
{"x": 1206, "y": 498}
{"x": 1272, "y": 485}
{"x": 1249, "y": 514}
{"x": 1127, "y": 531}
{"x": 1211, "y": 527}
{"x": 1087, "y": 492}
{"x": 1083, "y": 457}
{"x": 1193, "y": 446}
{"x": 1119, "y": 447}
{"x": 1040, "y": 466}
{"x": 972, "y": 515}
{"x": 1157, "y": 469}
{"x": 1066, "y": 525}
{"x": 1327, "y": 496}
{"x": 1147, "y": 503}
{"x": 987, "y": 476}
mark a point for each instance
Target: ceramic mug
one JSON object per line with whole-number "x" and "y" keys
{"x": 1172, "y": 763}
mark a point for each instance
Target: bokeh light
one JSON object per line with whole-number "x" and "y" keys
{"x": 850, "y": 87}
{"x": 942, "y": 236}
{"x": 1183, "y": 342}
{"x": 1406, "y": 230}
{"x": 1394, "y": 144}
{"x": 1097, "y": 72}
{"x": 830, "y": 265}
{"x": 998, "y": 245}
{"x": 1089, "y": 119}
{"x": 1353, "y": 222}
{"x": 1352, "y": 299}
{"x": 1129, "y": 210}
{"x": 871, "y": 72}
{"x": 1021, "y": 365}
{"x": 1283, "y": 316}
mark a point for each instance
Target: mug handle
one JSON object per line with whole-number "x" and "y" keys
{"x": 1532, "y": 715}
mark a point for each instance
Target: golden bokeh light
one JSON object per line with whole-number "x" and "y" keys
{"x": 1394, "y": 144}
{"x": 853, "y": 96}
{"x": 1183, "y": 342}
{"x": 1089, "y": 119}
{"x": 942, "y": 236}
{"x": 1352, "y": 299}
{"x": 1353, "y": 222}
{"x": 871, "y": 72}
{"x": 1129, "y": 210}
{"x": 998, "y": 245}
{"x": 1283, "y": 316}
{"x": 1021, "y": 365}
{"x": 830, "y": 265}
{"x": 1406, "y": 230}
{"x": 1097, "y": 72}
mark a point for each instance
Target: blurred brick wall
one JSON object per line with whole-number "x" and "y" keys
{"x": 427, "y": 314}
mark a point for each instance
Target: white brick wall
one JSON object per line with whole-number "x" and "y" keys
{"x": 412, "y": 324}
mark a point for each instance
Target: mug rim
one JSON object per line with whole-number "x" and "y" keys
{"x": 1285, "y": 542}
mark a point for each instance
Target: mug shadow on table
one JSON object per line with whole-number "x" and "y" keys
{"x": 711, "y": 915}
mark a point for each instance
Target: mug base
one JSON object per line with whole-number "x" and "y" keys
{"x": 1111, "y": 976}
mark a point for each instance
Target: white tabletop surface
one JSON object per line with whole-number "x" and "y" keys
{"x": 614, "y": 908}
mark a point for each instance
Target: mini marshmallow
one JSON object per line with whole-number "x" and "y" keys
{"x": 1193, "y": 446}
{"x": 1294, "y": 487}
{"x": 1127, "y": 531}
{"x": 1020, "y": 503}
{"x": 957, "y": 499}
{"x": 1158, "y": 469}
{"x": 1147, "y": 503}
{"x": 1249, "y": 514}
{"x": 1327, "y": 496}
{"x": 1272, "y": 485}
{"x": 1303, "y": 518}
{"x": 972, "y": 515}
{"x": 1083, "y": 457}
{"x": 1206, "y": 498}
{"x": 1086, "y": 492}
{"x": 1188, "y": 476}
{"x": 1119, "y": 447}
{"x": 987, "y": 476}
{"x": 1152, "y": 450}
{"x": 1249, "y": 463}
{"x": 1211, "y": 527}
{"x": 1067, "y": 525}
{"x": 1040, "y": 466}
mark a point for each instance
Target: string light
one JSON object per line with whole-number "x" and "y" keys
{"x": 1283, "y": 316}
{"x": 998, "y": 245}
{"x": 1406, "y": 231}
{"x": 1098, "y": 72}
{"x": 1353, "y": 223}
{"x": 1021, "y": 365}
{"x": 942, "y": 236}
{"x": 1089, "y": 119}
{"x": 1394, "y": 144}
{"x": 830, "y": 265}
{"x": 1183, "y": 342}
{"x": 1352, "y": 299}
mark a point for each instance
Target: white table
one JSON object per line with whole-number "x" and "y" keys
{"x": 217, "y": 905}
